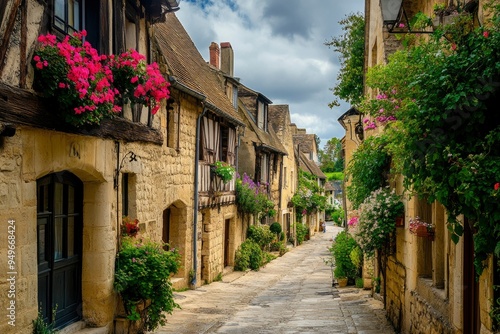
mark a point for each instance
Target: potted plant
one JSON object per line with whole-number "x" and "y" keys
{"x": 223, "y": 170}
{"x": 341, "y": 276}
{"x": 421, "y": 228}
{"x": 142, "y": 278}
{"x": 341, "y": 249}
{"x": 130, "y": 227}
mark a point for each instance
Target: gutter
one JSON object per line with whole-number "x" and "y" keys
{"x": 196, "y": 197}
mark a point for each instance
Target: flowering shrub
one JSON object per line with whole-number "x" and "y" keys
{"x": 130, "y": 226}
{"x": 142, "y": 277}
{"x": 353, "y": 221}
{"x": 87, "y": 86}
{"x": 368, "y": 170}
{"x": 309, "y": 196}
{"x": 377, "y": 219}
{"x": 252, "y": 198}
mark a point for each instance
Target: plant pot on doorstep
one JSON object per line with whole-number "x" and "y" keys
{"x": 342, "y": 282}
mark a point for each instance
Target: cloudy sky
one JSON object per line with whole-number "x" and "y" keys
{"x": 279, "y": 51}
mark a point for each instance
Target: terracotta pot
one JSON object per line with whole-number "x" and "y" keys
{"x": 342, "y": 282}
{"x": 400, "y": 221}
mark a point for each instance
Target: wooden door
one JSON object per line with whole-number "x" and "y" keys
{"x": 59, "y": 247}
{"x": 472, "y": 323}
{"x": 226, "y": 242}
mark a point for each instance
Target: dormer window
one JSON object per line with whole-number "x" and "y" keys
{"x": 262, "y": 115}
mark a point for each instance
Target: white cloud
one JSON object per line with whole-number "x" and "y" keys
{"x": 279, "y": 51}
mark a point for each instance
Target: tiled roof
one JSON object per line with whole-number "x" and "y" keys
{"x": 188, "y": 67}
{"x": 310, "y": 167}
{"x": 268, "y": 139}
{"x": 306, "y": 142}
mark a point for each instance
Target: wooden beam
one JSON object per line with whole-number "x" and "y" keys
{"x": 23, "y": 107}
{"x": 8, "y": 31}
{"x": 23, "y": 67}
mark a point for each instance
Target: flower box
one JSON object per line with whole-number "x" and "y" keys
{"x": 421, "y": 228}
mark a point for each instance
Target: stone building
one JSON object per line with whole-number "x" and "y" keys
{"x": 306, "y": 147}
{"x": 261, "y": 153}
{"x": 66, "y": 188}
{"x": 279, "y": 117}
{"x": 217, "y": 232}
{"x": 428, "y": 285}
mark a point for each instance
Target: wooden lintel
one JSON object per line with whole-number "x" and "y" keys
{"x": 23, "y": 107}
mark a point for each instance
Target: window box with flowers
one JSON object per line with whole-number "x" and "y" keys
{"x": 87, "y": 87}
{"x": 421, "y": 228}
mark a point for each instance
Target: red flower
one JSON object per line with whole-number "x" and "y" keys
{"x": 453, "y": 46}
{"x": 496, "y": 186}
{"x": 486, "y": 34}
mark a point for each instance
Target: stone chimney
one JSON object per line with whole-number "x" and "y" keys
{"x": 214, "y": 55}
{"x": 227, "y": 59}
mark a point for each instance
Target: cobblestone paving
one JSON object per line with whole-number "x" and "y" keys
{"x": 292, "y": 294}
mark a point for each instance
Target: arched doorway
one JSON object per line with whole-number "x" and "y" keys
{"x": 175, "y": 229}
{"x": 59, "y": 247}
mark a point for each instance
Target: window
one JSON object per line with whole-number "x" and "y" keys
{"x": 235, "y": 97}
{"x": 224, "y": 140}
{"x": 284, "y": 177}
{"x": 262, "y": 115}
{"x": 172, "y": 125}
{"x": 69, "y": 16}
{"x": 264, "y": 168}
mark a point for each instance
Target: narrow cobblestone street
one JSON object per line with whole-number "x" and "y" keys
{"x": 292, "y": 294}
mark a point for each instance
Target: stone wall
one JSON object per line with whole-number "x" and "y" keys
{"x": 425, "y": 319}
{"x": 214, "y": 249}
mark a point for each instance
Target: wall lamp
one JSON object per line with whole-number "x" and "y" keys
{"x": 131, "y": 157}
{"x": 393, "y": 12}
{"x": 172, "y": 5}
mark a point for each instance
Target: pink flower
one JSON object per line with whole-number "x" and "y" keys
{"x": 62, "y": 85}
{"x": 486, "y": 34}
{"x": 39, "y": 65}
{"x": 134, "y": 79}
{"x": 401, "y": 25}
{"x": 36, "y": 58}
{"x": 453, "y": 46}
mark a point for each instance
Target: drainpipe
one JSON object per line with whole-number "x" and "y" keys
{"x": 196, "y": 196}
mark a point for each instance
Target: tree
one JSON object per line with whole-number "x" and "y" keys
{"x": 351, "y": 46}
{"x": 331, "y": 156}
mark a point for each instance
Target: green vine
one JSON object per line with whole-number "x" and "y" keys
{"x": 445, "y": 130}
{"x": 309, "y": 195}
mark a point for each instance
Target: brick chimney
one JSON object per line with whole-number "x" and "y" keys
{"x": 214, "y": 55}
{"x": 227, "y": 59}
